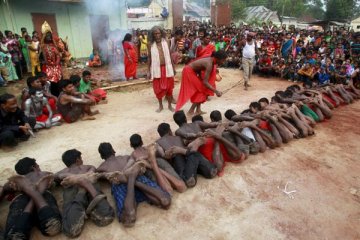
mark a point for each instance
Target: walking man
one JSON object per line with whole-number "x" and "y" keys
{"x": 248, "y": 58}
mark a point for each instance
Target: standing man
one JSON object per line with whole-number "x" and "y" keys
{"x": 248, "y": 58}
{"x": 198, "y": 82}
{"x": 160, "y": 67}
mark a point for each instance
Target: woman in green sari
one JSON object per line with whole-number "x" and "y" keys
{"x": 24, "y": 42}
{"x": 12, "y": 76}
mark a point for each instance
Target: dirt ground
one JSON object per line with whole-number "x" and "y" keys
{"x": 247, "y": 202}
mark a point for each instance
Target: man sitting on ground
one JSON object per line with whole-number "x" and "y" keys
{"x": 82, "y": 195}
{"x": 73, "y": 105}
{"x": 98, "y": 95}
{"x": 14, "y": 125}
{"x": 188, "y": 162}
{"x": 34, "y": 108}
{"x": 34, "y": 206}
{"x": 215, "y": 151}
{"x": 165, "y": 179}
{"x": 129, "y": 187}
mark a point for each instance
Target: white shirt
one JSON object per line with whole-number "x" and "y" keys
{"x": 247, "y": 132}
{"x": 249, "y": 50}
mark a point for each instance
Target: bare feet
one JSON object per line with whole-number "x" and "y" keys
{"x": 79, "y": 179}
{"x": 159, "y": 109}
{"x": 191, "y": 182}
{"x": 115, "y": 177}
{"x": 200, "y": 113}
{"x": 94, "y": 113}
{"x": 196, "y": 144}
{"x": 103, "y": 101}
{"x": 190, "y": 113}
{"x": 171, "y": 108}
{"x": 87, "y": 117}
{"x": 128, "y": 217}
{"x": 138, "y": 168}
{"x": 20, "y": 183}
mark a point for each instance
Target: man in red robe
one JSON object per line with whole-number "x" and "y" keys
{"x": 198, "y": 81}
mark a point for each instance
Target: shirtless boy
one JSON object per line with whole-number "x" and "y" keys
{"x": 35, "y": 205}
{"x": 73, "y": 105}
{"x": 188, "y": 162}
{"x": 129, "y": 187}
{"x": 81, "y": 195}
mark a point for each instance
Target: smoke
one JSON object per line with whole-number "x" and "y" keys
{"x": 108, "y": 41}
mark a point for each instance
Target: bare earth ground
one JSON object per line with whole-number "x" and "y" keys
{"x": 247, "y": 202}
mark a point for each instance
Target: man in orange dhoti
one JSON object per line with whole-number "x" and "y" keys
{"x": 160, "y": 67}
{"x": 198, "y": 82}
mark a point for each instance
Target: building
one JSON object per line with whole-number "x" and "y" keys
{"x": 355, "y": 24}
{"x": 84, "y": 23}
{"x": 149, "y": 14}
{"x": 289, "y": 21}
{"x": 261, "y": 14}
{"x": 193, "y": 12}
{"x": 220, "y": 12}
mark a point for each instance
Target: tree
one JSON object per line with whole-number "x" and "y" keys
{"x": 315, "y": 8}
{"x": 341, "y": 10}
{"x": 237, "y": 10}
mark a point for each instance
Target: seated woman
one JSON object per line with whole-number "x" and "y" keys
{"x": 94, "y": 59}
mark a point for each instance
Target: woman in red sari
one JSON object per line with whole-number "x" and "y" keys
{"x": 130, "y": 58}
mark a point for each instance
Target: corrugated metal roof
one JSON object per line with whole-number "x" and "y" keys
{"x": 193, "y": 7}
{"x": 261, "y": 13}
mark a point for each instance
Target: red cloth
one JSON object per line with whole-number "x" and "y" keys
{"x": 207, "y": 151}
{"x": 192, "y": 87}
{"x": 264, "y": 125}
{"x": 163, "y": 86}
{"x": 329, "y": 99}
{"x": 52, "y": 103}
{"x": 206, "y": 51}
{"x": 130, "y": 66}
{"x": 98, "y": 94}
{"x": 45, "y": 117}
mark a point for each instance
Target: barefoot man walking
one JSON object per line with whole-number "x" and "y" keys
{"x": 160, "y": 67}
{"x": 198, "y": 82}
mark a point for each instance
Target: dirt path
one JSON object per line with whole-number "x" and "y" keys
{"x": 246, "y": 203}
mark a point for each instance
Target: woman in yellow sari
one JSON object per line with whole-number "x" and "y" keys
{"x": 143, "y": 47}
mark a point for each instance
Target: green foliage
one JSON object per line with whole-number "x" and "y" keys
{"x": 341, "y": 10}
{"x": 255, "y": 22}
{"x": 237, "y": 10}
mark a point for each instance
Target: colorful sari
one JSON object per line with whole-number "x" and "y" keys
{"x": 51, "y": 67}
{"x": 25, "y": 52}
{"x": 286, "y": 48}
{"x": 12, "y": 75}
